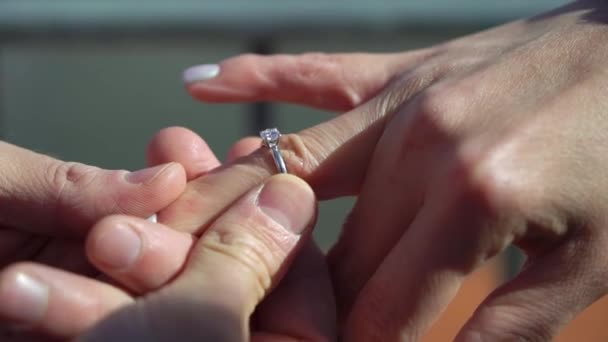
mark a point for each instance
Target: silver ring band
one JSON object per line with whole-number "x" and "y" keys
{"x": 270, "y": 139}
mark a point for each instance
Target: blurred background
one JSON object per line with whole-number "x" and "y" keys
{"x": 93, "y": 80}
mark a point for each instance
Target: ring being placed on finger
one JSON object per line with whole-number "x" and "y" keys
{"x": 270, "y": 139}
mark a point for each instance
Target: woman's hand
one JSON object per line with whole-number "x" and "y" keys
{"x": 455, "y": 152}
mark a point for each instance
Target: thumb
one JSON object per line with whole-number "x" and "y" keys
{"x": 44, "y": 195}
{"x": 238, "y": 260}
{"x": 248, "y": 249}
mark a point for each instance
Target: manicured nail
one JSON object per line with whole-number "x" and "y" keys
{"x": 118, "y": 247}
{"x": 201, "y": 73}
{"x": 153, "y": 218}
{"x": 146, "y": 175}
{"x": 288, "y": 201}
{"x": 26, "y": 299}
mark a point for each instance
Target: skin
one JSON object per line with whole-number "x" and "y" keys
{"x": 455, "y": 152}
{"x": 178, "y": 262}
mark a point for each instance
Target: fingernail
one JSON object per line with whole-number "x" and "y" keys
{"x": 26, "y": 299}
{"x": 288, "y": 201}
{"x": 118, "y": 247}
{"x": 146, "y": 175}
{"x": 200, "y": 73}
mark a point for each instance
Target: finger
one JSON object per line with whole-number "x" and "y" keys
{"x": 320, "y": 155}
{"x": 407, "y": 156}
{"x": 54, "y": 197}
{"x": 256, "y": 239}
{"x": 139, "y": 254}
{"x": 544, "y": 297}
{"x": 456, "y": 231}
{"x": 243, "y": 147}
{"x": 55, "y": 302}
{"x": 181, "y": 145}
{"x": 303, "y": 303}
{"x": 404, "y": 305}
{"x": 327, "y": 81}
{"x": 230, "y": 269}
{"x": 332, "y": 157}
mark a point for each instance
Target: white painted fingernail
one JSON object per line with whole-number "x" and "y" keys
{"x": 200, "y": 73}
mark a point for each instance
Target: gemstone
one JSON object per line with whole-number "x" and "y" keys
{"x": 270, "y": 136}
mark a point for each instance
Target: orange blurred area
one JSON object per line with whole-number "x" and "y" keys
{"x": 590, "y": 326}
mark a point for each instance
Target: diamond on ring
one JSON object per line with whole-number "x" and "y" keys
{"x": 270, "y": 139}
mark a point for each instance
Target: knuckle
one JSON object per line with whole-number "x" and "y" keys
{"x": 303, "y": 152}
{"x": 486, "y": 176}
{"x": 249, "y": 59}
{"x": 249, "y": 66}
{"x": 257, "y": 252}
{"x": 315, "y": 65}
{"x": 442, "y": 106}
{"x": 330, "y": 81}
{"x": 67, "y": 178}
{"x": 420, "y": 84}
{"x": 433, "y": 119}
{"x": 398, "y": 92}
{"x": 482, "y": 198}
{"x": 70, "y": 184}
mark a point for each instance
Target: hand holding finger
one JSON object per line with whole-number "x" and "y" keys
{"x": 255, "y": 239}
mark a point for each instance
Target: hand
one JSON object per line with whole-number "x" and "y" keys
{"x": 239, "y": 258}
{"x": 72, "y": 304}
{"x": 455, "y": 152}
{"x": 48, "y": 207}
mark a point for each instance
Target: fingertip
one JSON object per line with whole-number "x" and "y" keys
{"x": 113, "y": 244}
{"x": 200, "y": 73}
{"x": 243, "y": 147}
{"x": 181, "y": 145}
{"x": 140, "y": 254}
{"x": 60, "y": 304}
{"x": 165, "y": 186}
{"x": 24, "y": 298}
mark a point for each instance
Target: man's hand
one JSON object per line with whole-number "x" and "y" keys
{"x": 455, "y": 152}
{"x": 49, "y": 206}
{"x": 231, "y": 268}
{"x": 138, "y": 257}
